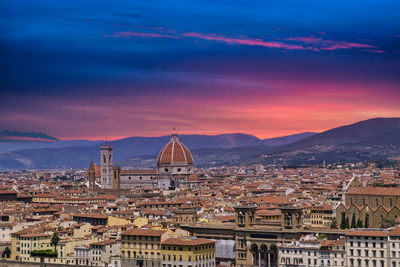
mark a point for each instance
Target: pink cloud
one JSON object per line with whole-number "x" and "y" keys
{"x": 242, "y": 41}
{"x": 291, "y": 43}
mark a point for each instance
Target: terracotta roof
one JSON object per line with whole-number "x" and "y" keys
{"x": 138, "y": 232}
{"x": 380, "y": 191}
{"x": 395, "y": 231}
{"x": 275, "y": 212}
{"x": 187, "y": 242}
{"x": 174, "y": 152}
{"x": 367, "y": 233}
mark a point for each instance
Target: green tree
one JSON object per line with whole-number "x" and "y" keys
{"x": 343, "y": 221}
{"x": 54, "y": 240}
{"x": 386, "y": 222}
{"x": 359, "y": 223}
{"x": 347, "y": 223}
{"x": 353, "y": 221}
{"x": 7, "y": 252}
{"x": 334, "y": 223}
{"x": 366, "y": 222}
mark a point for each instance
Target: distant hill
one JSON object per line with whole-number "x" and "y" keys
{"x": 366, "y": 132}
{"x": 284, "y": 140}
{"x": 77, "y": 153}
{"x": 369, "y": 140}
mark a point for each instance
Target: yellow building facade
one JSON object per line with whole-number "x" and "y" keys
{"x": 188, "y": 252}
{"x": 142, "y": 246}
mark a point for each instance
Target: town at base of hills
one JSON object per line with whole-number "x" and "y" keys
{"x": 176, "y": 215}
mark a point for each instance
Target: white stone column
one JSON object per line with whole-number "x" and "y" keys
{"x": 269, "y": 259}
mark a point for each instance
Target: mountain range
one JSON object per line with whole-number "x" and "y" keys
{"x": 369, "y": 140}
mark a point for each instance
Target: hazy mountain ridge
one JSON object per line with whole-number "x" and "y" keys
{"x": 370, "y": 140}
{"x": 76, "y": 153}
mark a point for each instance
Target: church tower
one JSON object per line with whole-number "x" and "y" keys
{"x": 91, "y": 176}
{"x": 106, "y": 159}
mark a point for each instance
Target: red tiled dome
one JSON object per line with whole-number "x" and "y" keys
{"x": 174, "y": 152}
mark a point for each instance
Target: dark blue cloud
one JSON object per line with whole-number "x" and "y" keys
{"x": 59, "y": 47}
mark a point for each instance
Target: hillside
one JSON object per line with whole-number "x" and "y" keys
{"x": 369, "y": 140}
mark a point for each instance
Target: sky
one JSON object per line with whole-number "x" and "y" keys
{"x": 93, "y": 68}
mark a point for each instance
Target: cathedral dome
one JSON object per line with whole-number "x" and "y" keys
{"x": 174, "y": 153}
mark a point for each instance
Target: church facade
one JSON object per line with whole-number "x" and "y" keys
{"x": 174, "y": 167}
{"x": 372, "y": 205}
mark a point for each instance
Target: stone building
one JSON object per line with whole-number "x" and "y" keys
{"x": 175, "y": 168}
{"x": 188, "y": 252}
{"x": 142, "y": 247}
{"x": 258, "y": 234}
{"x": 372, "y": 205}
{"x": 106, "y": 159}
{"x": 175, "y": 163}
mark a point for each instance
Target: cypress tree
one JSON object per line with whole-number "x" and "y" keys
{"x": 353, "y": 221}
{"x": 343, "y": 221}
{"x": 359, "y": 223}
{"x": 334, "y": 223}
{"x": 347, "y": 223}
{"x": 366, "y": 223}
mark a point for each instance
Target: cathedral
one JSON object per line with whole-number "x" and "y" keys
{"x": 175, "y": 168}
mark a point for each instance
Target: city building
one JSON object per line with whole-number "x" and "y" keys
{"x": 142, "y": 247}
{"x": 174, "y": 166}
{"x": 372, "y": 205}
{"x": 188, "y": 252}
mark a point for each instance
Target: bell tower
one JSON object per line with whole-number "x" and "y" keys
{"x": 106, "y": 159}
{"x": 116, "y": 178}
{"x": 91, "y": 176}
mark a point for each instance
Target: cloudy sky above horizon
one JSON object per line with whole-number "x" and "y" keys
{"x": 89, "y": 69}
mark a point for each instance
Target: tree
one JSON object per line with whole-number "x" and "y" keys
{"x": 386, "y": 222}
{"x": 54, "y": 240}
{"x": 7, "y": 252}
{"x": 334, "y": 223}
{"x": 353, "y": 221}
{"x": 347, "y": 223}
{"x": 359, "y": 223}
{"x": 366, "y": 223}
{"x": 343, "y": 221}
